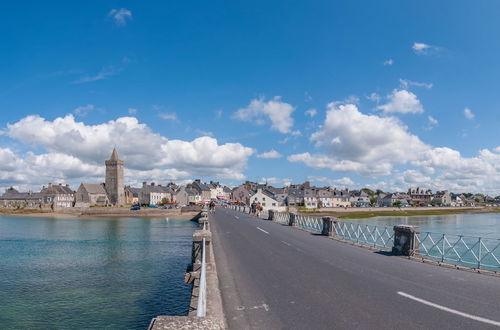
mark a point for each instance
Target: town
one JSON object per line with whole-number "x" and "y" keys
{"x": 113, "y": 192}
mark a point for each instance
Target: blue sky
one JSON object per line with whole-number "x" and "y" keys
{"x": 347, "y": 93}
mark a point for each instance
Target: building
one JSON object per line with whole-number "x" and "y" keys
{"x": 241, "y": 193}
{"x": 420, "y": 195}
{"x": 442, "y": 198}
{"x": 58, "y": 196}
{"x": 89, "y": 194}
{"x": 203, "y": 190}
{"x": 359, "y": 199}
{"x": 295, "y": 197}
{"x": 266, "y": 200}
{"x": 187, "y": 196}
{"x": 132, "y": 195}
{"x": 390, "y": 200}
{"x": 115, "y": 185}
{"x": 155, "y": 194}
{"x": 310, "y": 200}
{"x": 13, "y": 199}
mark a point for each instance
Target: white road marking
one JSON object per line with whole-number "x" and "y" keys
{"x": 286, "y": 243}
{"x": 262, "y": 230}
{"x": 237, "y": 217}
{"x": 449, "y": 310}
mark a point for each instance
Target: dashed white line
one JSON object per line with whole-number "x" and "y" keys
{"x": 450, "y": 310}
{"x": 237, "y": 217}
{"x": 286, "y": 243}
{"x": 262, "y": 230}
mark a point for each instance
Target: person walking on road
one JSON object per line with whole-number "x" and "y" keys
{"x": 253, "y": 208}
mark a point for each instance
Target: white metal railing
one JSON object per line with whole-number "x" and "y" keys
{"x": 309, "y": 223}
{"x": 202, "y": 290}
{"x": 475, "y": 252}
{"x": 368, "y": 235}
{"x": 282, "y": 217}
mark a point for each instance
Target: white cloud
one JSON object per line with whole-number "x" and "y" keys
{"x": 468, "y": 114}
{"x": 402, "y": 101}
{"x": 405, "y": 84}
{"x": 132, "y": 111}
{"x": 278, "y": 112}
{"x": 168, "y": 115}
{"x": 276, "y": 181}
{"x": 105, "y": 72}
{"x": 389, "y": 62}
{"x": 269, "y": 155}
{"x": 421, "y": 48}
{"x": 366, "y": 144}
{"x": 84, "y": 109}
{"x": 342, "y": 182}
{"x": 311, "y": 112}
{"x": 143, "y": 150}
{"x": 120, "y": 16}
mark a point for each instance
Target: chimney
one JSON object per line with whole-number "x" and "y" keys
{"x": 67, "y": 185}
{"x": 50, "y": 185}
{"x": 152, "y": 184}
{"x": 144, "y": 184}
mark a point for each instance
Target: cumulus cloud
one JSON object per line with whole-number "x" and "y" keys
{"x": 432, "y": 122}
{"x": 389, "y": 62}
{"x": 120, "y": 16}
{"x": 271, "y": 154}
{"x": 374, "y": 97}
{"x": 143, "y": 150}
{"x": 342, "y": 182}
{"x": 275, "y": 110}
{"x": 468, "y": 114}
{"x": 402, "y": 101}
{"x": 84, "y": 109}
{"x": 356, "y": 142}
{"x": 132, "y": 111}
{"x": 311, "y": 112}
{"x": 276, "y": 181}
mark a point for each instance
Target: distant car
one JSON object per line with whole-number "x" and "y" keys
{"x": 135, "y": 208}
{"x": 167, "y": 207}
{"x": 153, "y": 206}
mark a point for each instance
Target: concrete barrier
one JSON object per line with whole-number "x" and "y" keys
{"x": 405, "y": 240}
{"x": 293, "y": 220}
{"x": 327, "y": 227}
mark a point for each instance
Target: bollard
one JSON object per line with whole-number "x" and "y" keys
{"x": 270, "y": 215}
{"x": 292, "y": 221}
{"x": 405, "y": 240}
{"x": 327, "y": 227}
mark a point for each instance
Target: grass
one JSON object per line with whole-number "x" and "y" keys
{"x": 403, "y": 213}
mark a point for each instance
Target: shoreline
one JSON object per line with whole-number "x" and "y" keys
{"x": 104, "y": 213}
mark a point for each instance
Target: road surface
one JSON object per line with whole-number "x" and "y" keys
{"x": 277, "y": 277}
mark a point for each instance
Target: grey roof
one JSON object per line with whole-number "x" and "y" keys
{"x": 57, "y": 190}
{"x": 156, "y": 189}
{"x": 15, "y": 195}
{"x": 135, "y": 191}
{"x": 191, "y": 192}
{"x": 201, "y": 186}
{"x": 93, "y": 188}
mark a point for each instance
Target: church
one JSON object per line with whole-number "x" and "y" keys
{"x": 109, "y": 193}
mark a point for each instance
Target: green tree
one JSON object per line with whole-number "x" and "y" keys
{"x": 373, "y": 201}
{"x": 397, "y": 204}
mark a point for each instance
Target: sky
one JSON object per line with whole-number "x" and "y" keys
{"x": 378, "y": 94}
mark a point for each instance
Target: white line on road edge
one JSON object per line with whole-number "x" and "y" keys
{"x": 262, "y": 230}
{"x": 237, "y": 217}
{"x": 286, "y": 243}
{"x": 449, "y": 310}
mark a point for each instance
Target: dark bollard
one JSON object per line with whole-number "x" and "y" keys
{"x": 405, "y": 240}
{"x": 327, "y": 227}
{"x": 292, "y": 219}
{"x": 270, "y": 215}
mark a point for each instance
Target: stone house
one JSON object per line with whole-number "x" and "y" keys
{"x": 241, "y": 193}
{"x": 91, "y": 194}
{"x": 58, "y": 196}
{"x": 227, "y": 193}
{"x": 442, "y": 198}
{"x": 340, "y": 198}
{"x": 359, "y": 199}
{"x": 187, "y": 196}
{"x": 216, "y": 190}
{"x": 13, "y": 199}
{"x": 203, "y": 190}
{"x": 420, "y": 195}
{"x": 132, "y": 195}
{"x": 295, "y": 197}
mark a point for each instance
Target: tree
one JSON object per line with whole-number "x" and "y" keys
{"x": 373, "y": 201}
{"x": 165, "y": 200}
{"x": 368, "y": 191}
{"x": 397, "y": 203}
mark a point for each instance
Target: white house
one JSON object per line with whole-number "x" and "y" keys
{"x": 267, "y": 201}
{"x": 310, "y": 199}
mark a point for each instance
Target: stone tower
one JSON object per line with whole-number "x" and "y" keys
{"x": 114, "y": 179}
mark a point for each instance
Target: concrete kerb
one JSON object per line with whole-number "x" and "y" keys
{"x": 214, "y": 318}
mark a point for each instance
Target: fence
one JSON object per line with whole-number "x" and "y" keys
{"x": 474, "y": 252}
{"x": 202, "y": 295}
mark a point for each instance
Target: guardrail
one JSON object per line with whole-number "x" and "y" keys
{"x": 201, "y": 310}
{"x": 474, "y": 252}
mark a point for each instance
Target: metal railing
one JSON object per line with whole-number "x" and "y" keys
{"x": 314, "y": 224}
{"x": 202, "y": 290}
{"x": 282, "y": 217}
{"x": 368, "y": 235}
{"x": 475, "y": 252}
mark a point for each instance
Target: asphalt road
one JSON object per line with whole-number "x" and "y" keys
{"x": 277, "y": 277}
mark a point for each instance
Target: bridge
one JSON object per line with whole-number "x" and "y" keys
{"x": 273, "y": 276}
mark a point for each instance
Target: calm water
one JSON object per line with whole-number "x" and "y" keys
{"x": 485, "y": 225}
{"x": 92, "y": 273}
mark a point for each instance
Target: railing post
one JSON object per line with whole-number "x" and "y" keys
{"x": 479, "y": 254}
{"x": 327, "y": 227}
{"x": 442, "y": 248}
{"x": 405, "y": 240}
{"x": 270, "y": 215}
{"x": 292, "y": 222}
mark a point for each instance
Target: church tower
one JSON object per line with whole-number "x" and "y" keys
{"x": 114, "y": 179}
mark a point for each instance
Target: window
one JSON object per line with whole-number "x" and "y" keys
{"x": 263, "y": 198}
{"x": 274, "y": 204}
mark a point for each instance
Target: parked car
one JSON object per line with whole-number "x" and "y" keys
{"x": 153, "y": 206}
{"x": 135, "y": 207}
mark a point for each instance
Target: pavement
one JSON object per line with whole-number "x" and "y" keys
{"x": 273, "y": 276}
